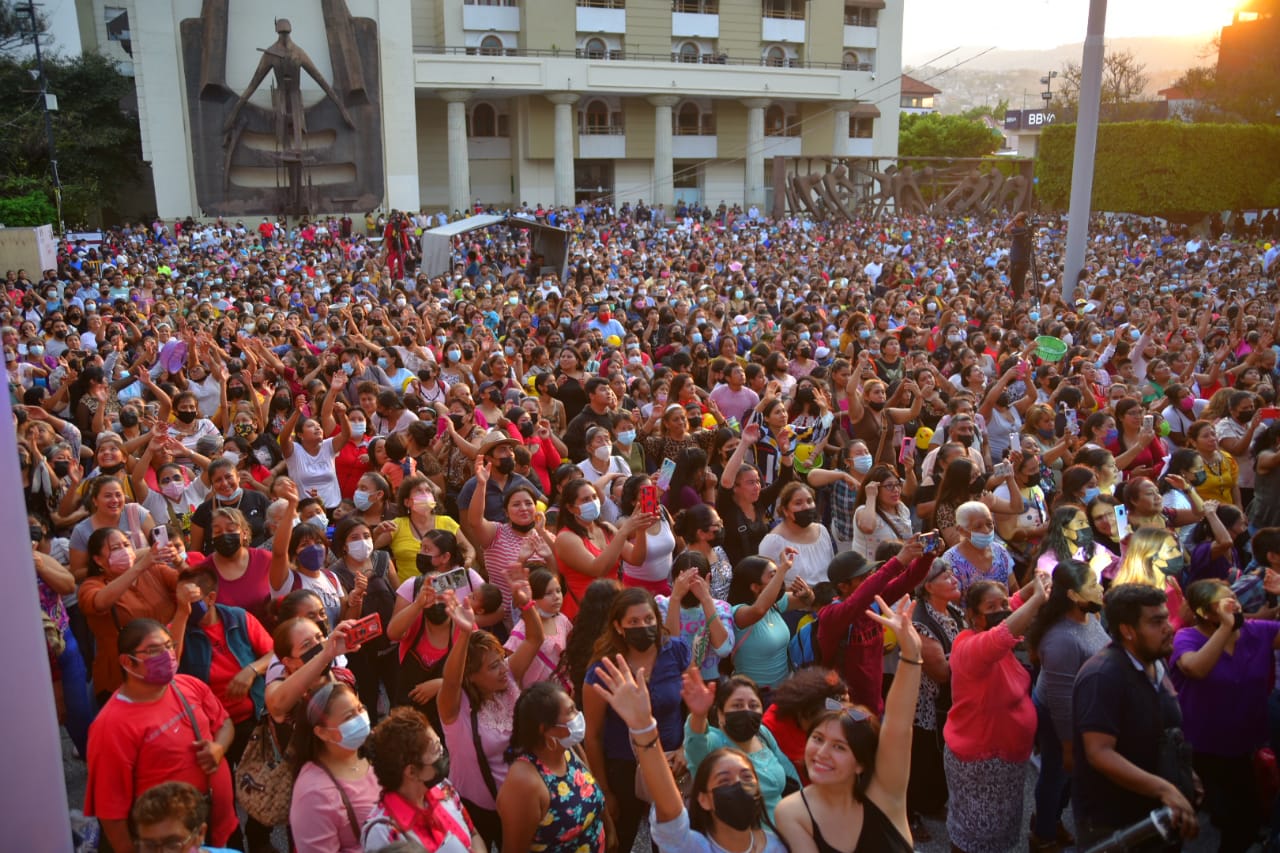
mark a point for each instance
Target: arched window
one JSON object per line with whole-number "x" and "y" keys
{"x": 595, "y": 117}
{"x": 491, "y": 46}
{"x": 775, "y": 121}
{"x": 484, "y": 120}
{"x": 850, "y": 61}
{"x": 596, "y": 49}
{"x": 775, "y": 57}
{"x": 688, "y": 120}
{"x": 689, "y": 52}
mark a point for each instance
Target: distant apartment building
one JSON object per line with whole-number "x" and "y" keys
{"x": 918, "y": 96}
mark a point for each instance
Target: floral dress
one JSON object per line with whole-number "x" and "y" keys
{"x": 574, "y": 822}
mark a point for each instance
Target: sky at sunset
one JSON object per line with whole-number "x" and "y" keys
{"x": 933, "y": 26}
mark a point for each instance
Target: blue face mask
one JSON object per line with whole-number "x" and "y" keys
{"x": 348, "y": 368}
{"x": 233, "y": 497}
{"x": 627, "y": 437}
{"x": 198, "y": 611}
{"x": 804, "y": 336}
{"x": 1091, "y": 493}
{"x": 311, "y": 557}
{"x": 1111, "y": 437}
{"x": 1095, "y": 339}
{"x": 362, "y": 500}
{"x": 354, "y": 731}
{"x": 590, "y": 511}
{"x": 383, "y": 363}
{"x": 862, "y": 464}
{"x": 455, "y": 356}
{"x": 696, "y": 337}
{"x": 982, "y": 541}
{"x": 1034, "y": 315}
{"x": 863, "y": 334}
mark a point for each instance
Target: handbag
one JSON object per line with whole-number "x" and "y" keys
{"x": 264, "y": 777}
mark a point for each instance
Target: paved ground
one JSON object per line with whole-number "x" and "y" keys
{"x": 74, "y": 770}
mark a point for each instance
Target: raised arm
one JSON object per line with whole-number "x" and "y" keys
{"x": 893, "y": 753}
{"x": 449, "y": 699}
{"x": 279, "y": 572}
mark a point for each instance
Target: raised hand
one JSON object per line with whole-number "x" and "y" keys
{"x": 698, "y": 696}
{"x": 626, "y": 693}
{"x": 482, "y": 472}
{"x": 899, "y": 619}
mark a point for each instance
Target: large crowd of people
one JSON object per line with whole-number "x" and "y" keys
{"x": 771, "y": 535}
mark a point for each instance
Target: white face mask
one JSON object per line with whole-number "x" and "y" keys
{"x": 577, "y": 727}
{"x": 602, "y": 452}
{"x": 359, "y": 549}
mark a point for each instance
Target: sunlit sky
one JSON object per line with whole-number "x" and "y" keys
{"x": 932, "y": 26}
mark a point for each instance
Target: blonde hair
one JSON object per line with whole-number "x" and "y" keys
{"x": 1144, "y": 544}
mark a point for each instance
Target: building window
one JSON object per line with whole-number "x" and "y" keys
{"x": 856, "y": 15}
{"x": 788, "y": 9}
{"x": 775, "y": 57}
{"x": 596, "y": 49}
{"x": 690, "y": 120}
{"x": 696, "y": 7}
{"x": 689, "y": 52}
{"x": 861, "y": 128}
{"x": 491, "y": 46}
{"x": 484, "y": 121}
{"x": 602, "y": 4}
{"x": 778, "y": 123}
{"x": 850, "y": 61}
{"x": 511, "y": 3}
{"x": 595, "y": 118}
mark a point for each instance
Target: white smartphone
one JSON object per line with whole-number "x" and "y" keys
{"x": 1073, "y": 422}
{"x": 1149, "y": 422}
{"x": 160, "y": 536}
{"x": 1122, "y": 522}
{"x": 665, "y": 473}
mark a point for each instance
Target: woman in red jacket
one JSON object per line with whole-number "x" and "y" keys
{"x": 991, "y": 727}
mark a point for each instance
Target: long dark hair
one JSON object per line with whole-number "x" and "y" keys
{"x": 749, "y": 571}
{"x": 1055, "y": 541}
{"x": 956, "y": 485}
{"x": 1180, "y": 462}
{"x": 1069, "y": 576}
{"x": 593, "y": 613}
{"x": 861, "y": 729}
{"x": 536, "y": 709}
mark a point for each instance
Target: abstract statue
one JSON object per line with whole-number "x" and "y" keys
{"x": 287, "y": 61}
{"x": 286, "y": 157}
{"x": 858, "y": 188}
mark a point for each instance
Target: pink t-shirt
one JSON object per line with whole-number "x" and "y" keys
{"x": 317, "y": 816}
{"x": 252, "y": 590}
{"x": 548, "y": 656}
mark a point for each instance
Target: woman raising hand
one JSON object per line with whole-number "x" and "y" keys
{"x": 858, "y": 767}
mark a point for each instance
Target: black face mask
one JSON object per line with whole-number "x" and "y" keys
{"x": 37, "y": 533}
{"x": 642, "y": 638}
{"x": 742, "y": 726}
{"x": 994, "y": 619}
{"x": 185, "y": 417}
{"x": 736, "y": 806}
{"x": 457, "y": 420}
{"x": 1237, "y": 621}
{"x": 526, "y": 429}
{"x": 805, "y": 517}
{"x": 506, "y": 465}
{"x": 1090, "y": 606}
{"x": 437, "y": 614}
{"x": 424, "y": 564}
{"x": 227, "y": 545}
{"x": 441, "y": 767}
{"x": 875, "y": 405}
{"x": 236, "y": 392}
{"x": 61, "y": 468}
{"x": 111, "y": 469}
{"x": 310, "y": 653}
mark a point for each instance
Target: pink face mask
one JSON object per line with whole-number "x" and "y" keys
{"x": 120, "y": 560}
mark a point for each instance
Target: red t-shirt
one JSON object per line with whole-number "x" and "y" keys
{"x": 134, "y": 746}
{"x": 223, "y": 666}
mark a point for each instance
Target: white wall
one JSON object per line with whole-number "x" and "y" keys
{"x": 723, "y": 182}
{"x": 491, "y": 182}
{"x": 632, "y": 181}
{"x": 162, "y": 105}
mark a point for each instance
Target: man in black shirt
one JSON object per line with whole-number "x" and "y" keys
{"x": 1019, "y": 252}
{"x": 597, "y": 412}
{"x": 1124, "y": 715}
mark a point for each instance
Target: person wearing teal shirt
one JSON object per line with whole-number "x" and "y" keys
{"x": 739, "y": 710}
{"x": 761, "y": 633}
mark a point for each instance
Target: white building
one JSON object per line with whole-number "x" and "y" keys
{"x": 507, "y": 101}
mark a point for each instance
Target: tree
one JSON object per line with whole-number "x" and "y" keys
{"x": 934, "y": 135}
{"x": 1124, "y": 79}
{"x": 99, "y": 146}
{"x": 15, "y": 25}
{"x": 997, "y": 112}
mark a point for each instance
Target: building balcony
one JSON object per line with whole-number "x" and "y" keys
{"x": 782, "y": 146}
{"x": 692, "y": 147}
{"x": 504, "y": 19}
{"x": 600, "y": 145}
{"x": 865, "y": 37}
{"x": 782, "y": 30}
{"x": 488, "y": 148}
{"x": 597, "y": 20}
{"x": 694, "y": 25}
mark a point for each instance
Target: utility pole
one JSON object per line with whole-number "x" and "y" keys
{"x": 30, "y": 8}
{"x": 1086, "y": 147}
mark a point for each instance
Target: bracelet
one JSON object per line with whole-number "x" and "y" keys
{"x": 650, "y": 745}
{"x": 527, "y": 607}
{"x": 912, "y": 662}
{"x": 653, "y": 726}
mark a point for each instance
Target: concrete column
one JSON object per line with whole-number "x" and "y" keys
{"x": 754, "y": 184}
{"x": 664, "y": 191}
{"x": 399, "y": 105}
{"x": 459, "y": 159}
{"x": 840, "y": 132}
{"x": 564, "y": 102}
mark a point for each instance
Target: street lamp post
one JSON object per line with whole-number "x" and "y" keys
{"x": 30, "y": 9}
{"x": 1047, "y": 82}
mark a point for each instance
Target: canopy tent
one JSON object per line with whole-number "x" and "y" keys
{"x": 546, "y": 240}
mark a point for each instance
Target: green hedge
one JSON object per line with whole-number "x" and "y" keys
{"x": 1167, "y": 168}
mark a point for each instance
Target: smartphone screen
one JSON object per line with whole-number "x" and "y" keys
{"x": 1148, "y": 422}
{"x": 1122, "y": 522}
{"x": 665, "y": 474}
